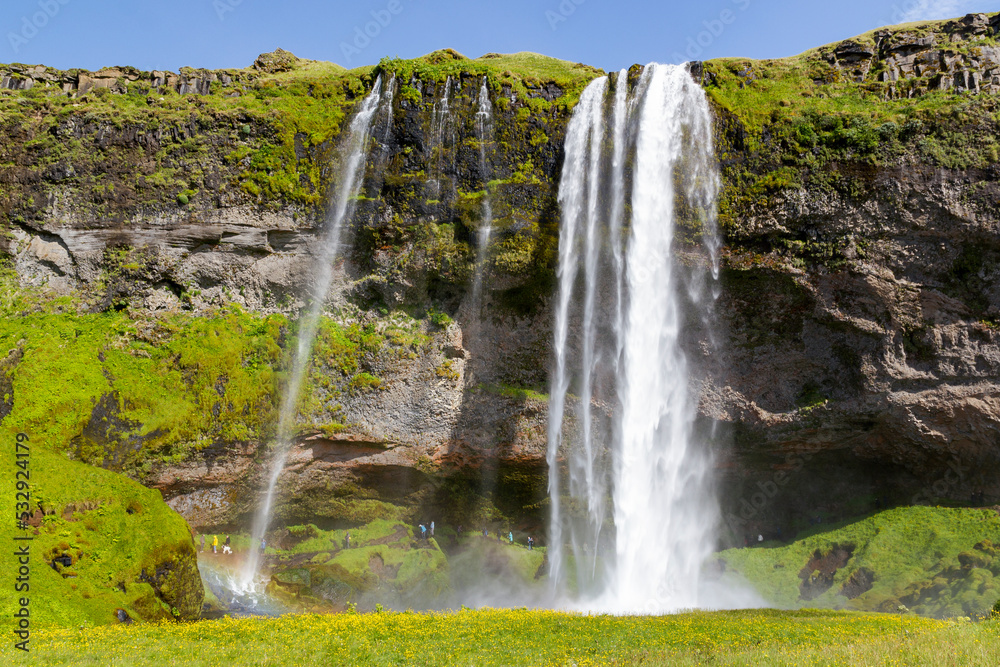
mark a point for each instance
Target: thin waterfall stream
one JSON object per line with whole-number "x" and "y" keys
{"x": 484, "y": 131}
{"x": 440, "y": 126}
{"x": 355, "y": 150}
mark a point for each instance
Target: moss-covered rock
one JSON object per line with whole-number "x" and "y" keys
{"x": 100, "y": 542}
{"x": 384, "y": 564}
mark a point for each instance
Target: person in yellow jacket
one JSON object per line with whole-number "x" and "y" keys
{"x": 215, "y": 544}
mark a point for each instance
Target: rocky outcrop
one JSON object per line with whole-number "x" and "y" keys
{"x": 424, "y": 442}
{"x": 114, "y": 79}
{"x": 237, "y": 255}
{"x": 960, "y": 56}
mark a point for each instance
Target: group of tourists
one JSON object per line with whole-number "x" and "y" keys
{"x": 500, "y": 536}
{"x": 427, "y": 532}
{"x": 226, "y": 547}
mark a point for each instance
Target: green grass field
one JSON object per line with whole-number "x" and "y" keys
{"x": 521, "y": 637}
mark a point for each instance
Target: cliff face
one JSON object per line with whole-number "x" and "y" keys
{"x": 862, "y": 275}
{"x": 858, "y": 316}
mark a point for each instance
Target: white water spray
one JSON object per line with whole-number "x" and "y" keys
{"x": 342, "y": 203}
{"x": 631, "y": 437}
{"x": 484, "y": 130}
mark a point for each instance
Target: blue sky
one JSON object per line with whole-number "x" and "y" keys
{"x": 606, "y": 33}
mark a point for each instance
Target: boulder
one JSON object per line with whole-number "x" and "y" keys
{"x": 278, "y": 60}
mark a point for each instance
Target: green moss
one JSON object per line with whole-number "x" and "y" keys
{"x": 271, "y": 112}
{"x": 439, "y": 319}
{"x": 522, "y": 393}
{"x": 128, "y": 549}
{"x": 123, "y": 389}
{"x": 410, "y": 94}
{"x": 384, "y": 562}
{"x": 521, "y": 72}
{"x": 363, "y": 382}
{"x": 97, "y": 384}
{"x": 934, "y": 561}
{"x": 447, "y": 371}
{"x": 510, "y": 563}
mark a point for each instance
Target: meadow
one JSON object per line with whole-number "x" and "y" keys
{"x": 523, "y": 637}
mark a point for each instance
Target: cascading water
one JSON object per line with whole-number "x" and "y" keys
{"x": 579, "y": 198}
{"x": 484, "y": 131}
{"x": 355, "y": 149}
{"x": 440, "y": 126}
{"x": 623, "y": 305}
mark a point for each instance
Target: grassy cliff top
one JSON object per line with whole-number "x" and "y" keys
{"x": 268, "y": 115}
{"x": 919, "y": 93}
{"x": 888, "y": 73}
{"x": 268, "y": 131}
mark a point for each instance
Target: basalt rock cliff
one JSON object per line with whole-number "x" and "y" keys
{"x": 159, "y": 232}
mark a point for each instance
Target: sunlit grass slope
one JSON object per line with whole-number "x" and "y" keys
{"x": 935, "y": 561}
{"x": 126, "y": 548}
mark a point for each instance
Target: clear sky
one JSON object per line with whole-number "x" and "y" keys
{"x": 611, "y": 34}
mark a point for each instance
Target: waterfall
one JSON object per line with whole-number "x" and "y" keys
{"x": 440, "y": 124}
{"x": 484, "y": 131}
{"x": 355, "y": 150}
{"x": 623, "y": 304}
{"x": 582, "y": 141}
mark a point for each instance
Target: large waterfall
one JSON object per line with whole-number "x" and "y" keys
{"x": 633, "y": 513}
{"x": 355, "y": 152}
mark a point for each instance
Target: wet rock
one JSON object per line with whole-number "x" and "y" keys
{"x": 817, "y": 575}
{"x": 859, "y": 583}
